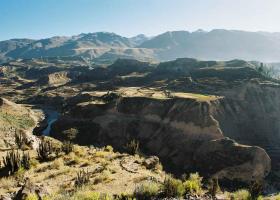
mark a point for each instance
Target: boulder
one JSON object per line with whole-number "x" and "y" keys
{"x": 30, "y": 188}
{"x": 151, "y": 162}
{"x": 226, "y": 159}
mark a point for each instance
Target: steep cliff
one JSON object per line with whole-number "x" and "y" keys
{"x": 250, "y": 115}
{"x": 171, "y": 126}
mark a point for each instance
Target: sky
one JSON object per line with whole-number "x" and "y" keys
{"x": 45, "y": 18}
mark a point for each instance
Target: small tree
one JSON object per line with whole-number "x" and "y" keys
{"x": 70, "y": 134}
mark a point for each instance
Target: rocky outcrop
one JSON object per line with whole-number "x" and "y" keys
{"x": 226, "y": 159}
{"x": 16, "y": 118}
{"x": 250, "y": 114}
{"x": 29, "y": 188}
{"x": 174, "y": 128}
{"x": 55, "y": 79}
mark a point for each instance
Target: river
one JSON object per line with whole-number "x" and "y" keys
{"x": 51, "y": 116}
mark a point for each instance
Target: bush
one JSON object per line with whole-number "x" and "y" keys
{"x": 31, "y": 197}
{"x": 82, "y": 178}
{"x": 193, "y": 184}
{"x": 146, "y": 190}
{"x": 70, "y": 134}
{"x": 241, "y": 195}
{"x": 132, "y": 147}
{"x": 109, "y": 148}
{"x": 57, "y": 164}
{"x": 124, "y": 196}
{"x": 173, "y": 187}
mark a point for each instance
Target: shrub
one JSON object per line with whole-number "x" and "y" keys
{"x": 146, "y": 190}
{"x": 132, "y": 147}
{"x": 86, "y": 195}
{"x": 45, "y": 150}
{"x": 70, "y": 134}
{"x": 109, "y": 148}
{"x": 193, "y": 184}
{"x": 124, "y": 196}
{"x": 82, "y": 178}
{"x": 31, "y": 197}
{"x": 173, "y": 187}
{"x": 67, "y": 147}
{"x": 57, "y": 164}
{"x": 104, "y": 176}
{"x": 241, "y": 195}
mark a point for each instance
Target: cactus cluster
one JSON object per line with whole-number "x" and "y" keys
{"x": 45, "y": 150}
{"x": 132, "y": 147}
{"x": 82, "y": 178}
{"x": 20, "y": 140}
{"x": 67, "y": 147}
{"x": 13, "y": 161}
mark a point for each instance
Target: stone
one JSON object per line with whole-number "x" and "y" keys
{"x": 151, "y": 162}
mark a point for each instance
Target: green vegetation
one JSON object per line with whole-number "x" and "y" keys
{"x": 70, "y": 134}
{"x": 173, "y": 187}
{"x": 193, "y": 185}
{"x": 147, "y": 190}
{"x": 19, "y": 122}
{"x": 241, "y": 195}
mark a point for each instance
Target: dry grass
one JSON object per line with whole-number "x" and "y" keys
{"x": 107, "y": 176}
{"x": 57, "y": 164}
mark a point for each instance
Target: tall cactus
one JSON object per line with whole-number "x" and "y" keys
{"x": 12, "y": 161}
{"x": 25, "y": 161}
{"x": 45, "y": 150}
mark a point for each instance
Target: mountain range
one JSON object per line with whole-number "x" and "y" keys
{"x": 105, "y": 47}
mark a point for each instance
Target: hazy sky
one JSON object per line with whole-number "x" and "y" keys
{"x": 45, "y": 18}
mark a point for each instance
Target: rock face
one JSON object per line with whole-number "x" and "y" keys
{"x": 15, "y": 118}
{"x": 224, "y": 158}
{"x": 250, "y": 115}
{"x": 173, "y": 128}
